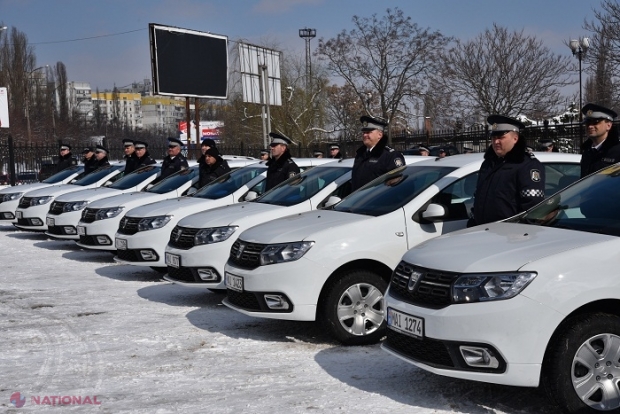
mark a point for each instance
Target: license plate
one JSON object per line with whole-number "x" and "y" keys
{"x": 19, "y": 215}
{"x": 173, "y": 260}
{"x": 49, "y": 222}
{"x": 407, "y": 324}
{"x": 121, "y": 244}
{"x": 81, "y": 230}
{"x": 234, "y": 282}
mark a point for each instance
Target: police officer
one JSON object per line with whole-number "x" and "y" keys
{"x": 215, "y": 166}
{"x": 264, "y": 154}
{"x": 602, "y": 146}
{"x": 547, "y": 145}
{"x": 317, "y": 153}
{"x": 89, "y": 160}
{"x": 334, "y": 151}
{"x": 174, "y": 161}
{"x": 101, "y": 157}
{"x": 511, "y": 179}
{"x": 65, "y": 159}
{"x": 142, "y": 154}
{"x": 131, "y": 162}
{"x": 280, "y": 166}
{"x": 374, "y": 158}
{"x": 424, "y": 151}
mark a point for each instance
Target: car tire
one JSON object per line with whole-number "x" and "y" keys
{"x": 352, "y": 308}
{"x": 582, "y": 370}
{"x": 160, "y": 269}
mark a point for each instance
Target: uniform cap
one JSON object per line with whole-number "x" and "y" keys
{"x": 128, "y": 142}
{"x": 213, "y": 152}
{"x": 208, "y": 141}
{"x": 369, "y": 123}
{"x": 593, "y": 111}
{"x": 87, "y": 150}
{"x": 101, "y": 148}
{"x": 317, "y": 152}
{"x": 423, "y": 148}
{"x": 334, "y": 146}
{"x": 140, "y": 144}
{"x": 175, "y": 142}
{"x": 65, "y": 147}
{"x": 264, "y": 152}
{"x": 545, "y": 142}
{"x": 280, "y": 139}
{"x": 501, "y": 124}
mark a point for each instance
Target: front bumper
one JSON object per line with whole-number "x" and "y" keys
{"x": 7, "y": 211}
{"x": 298, "y": 284}
{"x": 99, "y": 235}
{"x": 144, "y": 248}
{"x": 33, "y": 218}
{"x": 63, "y": 226}
{"x": 201, "y": 266}
{"x": 515, "y": 331}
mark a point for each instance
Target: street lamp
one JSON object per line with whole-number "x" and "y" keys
{"x": 307, "y": 35}
{"x": 28, "y": 92}
{"x": 579, "y": 47}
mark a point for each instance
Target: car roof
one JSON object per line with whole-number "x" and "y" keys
{"x": 461, "y": 160}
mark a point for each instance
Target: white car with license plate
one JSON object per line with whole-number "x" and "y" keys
{"x": 65, "y": 212}
{"x": 334, "y": 265}
{"x": 143, "y": 233}
{"x": 10, "y": 196}
{"x": 532, "y": 300}
{"x": 200, "y": 244}
{"x": 33, "y": 207}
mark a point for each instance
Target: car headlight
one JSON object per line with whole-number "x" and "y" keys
{"x": 77, "y": 206}
{"x": 106, "y": 213}
{"x": 11, "y": 196}
{"x": 492, "y": 286}
{"x": 151, "y": 223}
{"x": 39, "y": 201}
{"x": 213, "y": 235}
{"x": 286, "y": 252}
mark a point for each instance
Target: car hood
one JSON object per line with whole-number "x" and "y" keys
{"x": 56, "y": 190}
{"x": 300, "y": 227}
{"x": 24, "y": 188}
{"x": 233, "y": 214}
{"x": 130, "y": 200}
{"x": 497, "y": 247}
{"x": 170, "y": 206}
{"x": 88, "y": 194}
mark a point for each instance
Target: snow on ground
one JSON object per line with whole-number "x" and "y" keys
{"x": 76, "y": 324}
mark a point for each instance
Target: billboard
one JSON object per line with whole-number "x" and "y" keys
{"x": 4, "y": 108}
{"x": 188, "y": 63}
{"x": 208, "y": 129}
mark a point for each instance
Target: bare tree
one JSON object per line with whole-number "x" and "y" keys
{"x": 502, "y": 72}
{"x": 387, "y": 57}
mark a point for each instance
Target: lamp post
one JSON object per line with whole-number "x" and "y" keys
{"x": 579, "y": 47}
{"x": 307, "y": 35}
{"x": 28, "y": 91}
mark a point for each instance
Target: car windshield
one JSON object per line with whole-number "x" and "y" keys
{"x": 392, "y": 190}
{"x": 98, "y": 174}
{"x": 174, "y": 181}
{"x": 303, "y": 186}
{"x": 229, "y": 183}
{"x": 136, "y": 177}
{"x": 591, "y": 205}
{"x": 62, "y": 175}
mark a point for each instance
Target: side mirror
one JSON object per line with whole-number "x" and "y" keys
{"x": 149, "y": 186}
{"x": 331, "y": 201}
{"x": 251, "y": 195}
{"x": 191, "y": 191}
{"x": 107, "y": 184}
{"x": 434, "y": 212}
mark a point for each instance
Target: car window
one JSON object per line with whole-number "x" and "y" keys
{"x": 174, "y": 181}
{"x": 591, "y": 205}
{"x": 229, "y": 183}
{"x": 302, "y": 186}
{"x": 392, "y": 190}
{"x": 58, "y": 177}
{"x": 98, "y": 174}
{"x": 136, "y": 177}
{"x": 559, "y": 176}
{"x": 458, "y": 197}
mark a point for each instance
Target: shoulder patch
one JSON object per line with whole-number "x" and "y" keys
{"x": 398, "y": 162}
{"x": 535, "y": 175}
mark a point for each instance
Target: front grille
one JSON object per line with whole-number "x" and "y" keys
{"x": 184, "y": 274}
{"x": 128, "y": 225}
{"x": 26, "y": 222}
{"x": 246, "y": 255}
{"x": 433, "y": 289}
{"x": 88, "y": 240}
{"x": 89, "y": 214}
{"x": 182, "y": 237}
{"x": 57, "y": 207}
{"x": 58, "y": 230}
{"x": 243, "y": 300}
{"x": 427, "y": 350}
{"x": 24, "y": 202}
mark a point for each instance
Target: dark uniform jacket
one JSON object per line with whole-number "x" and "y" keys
{"x": 101, "y": 163}
{"x": 90, "y": 165}
{"x": 65, "y": 161}
{"x": 131, "y": 163}
{"x": 509, "y": 185}
{"x": 338, "y": 156}
{"x": 209, "y": 173}
{"x": 593, "y": 160}
{"x": 171, "y": 165}
{"x": 280, "y": 170}
{"x": 145, "y": 160}
{"x": 369, "y": 165}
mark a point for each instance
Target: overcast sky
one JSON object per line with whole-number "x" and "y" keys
{"x": 106, "y": 43}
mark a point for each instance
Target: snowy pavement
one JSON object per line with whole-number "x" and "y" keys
{"x": 99, "y": 336}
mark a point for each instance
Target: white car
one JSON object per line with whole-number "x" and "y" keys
{"x": 200, "y": 244}
{"x": 530, "y": 300}
{"x": 334, "y": 265}
{"x": 33, "y": 207}
{"x": 144, "y": 232}
{"x": 65, "y": 212}
{"x": 10, "y": 196}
